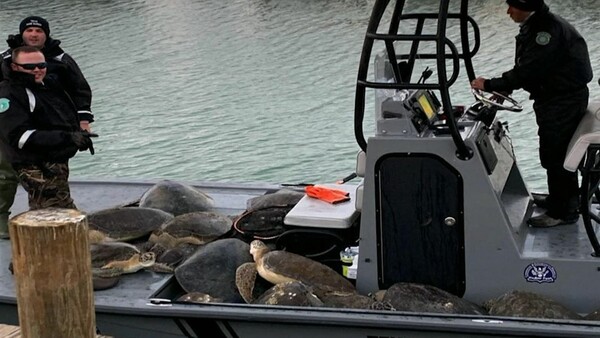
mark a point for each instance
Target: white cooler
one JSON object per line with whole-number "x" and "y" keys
{"x": 312, "y": 212}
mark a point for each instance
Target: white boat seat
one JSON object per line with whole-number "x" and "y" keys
{"x": 312, "y": 212}
{"x": 361, "y": 163}
{"x": 587, "y": 133}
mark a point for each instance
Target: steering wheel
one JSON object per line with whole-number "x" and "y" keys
{"x": 496, "y": 100}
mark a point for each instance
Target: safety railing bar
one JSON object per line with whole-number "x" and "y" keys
{"x": 589, "y": 186}
{"x": 399, "y": 86}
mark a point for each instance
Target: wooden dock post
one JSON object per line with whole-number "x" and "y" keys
{"x": 51, "y": 259}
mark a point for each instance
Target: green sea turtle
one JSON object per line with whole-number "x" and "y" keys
{"x": 300, "y": 294}
{"x": 594, "y": 315}
{"x": 112, "y": 259}
{"x": 199, "y": 298}
{"x": 348, "y": 300}
{"x": 176, "y": 198}
{"x": 280, "y": 198}
{"x": 125, "y": 224}
{"x": 528, "y": 304}
{"x": 415, "y": 297}
{"x": 264, "y": 215}
{"x": 278, "y": 267}
{"x": 249, "y": 283}
{"x": 196, "y": 228}
{"x": 292, "y": 293}
{"x": 211, "y": 269}
{"x": 167, "y": 259}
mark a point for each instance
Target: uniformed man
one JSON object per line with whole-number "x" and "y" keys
{"x": 39, "y": 130}
{"x": 552, "y": 63}
{"x": 35, "y": 31}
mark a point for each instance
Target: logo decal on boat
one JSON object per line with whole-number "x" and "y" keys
{"x": 4, "y": 104}
{"x": 540, "y": 273}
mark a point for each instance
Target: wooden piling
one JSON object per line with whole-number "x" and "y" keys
{"x": 9, "y": 331}
{"x": 51, "y": 259}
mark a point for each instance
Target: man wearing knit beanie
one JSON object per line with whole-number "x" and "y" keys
{"x": 35, "y": 21}
{"x": 552, "y": 63}
{"x": 526, "y": 5}
{"x": 35, "y": 31}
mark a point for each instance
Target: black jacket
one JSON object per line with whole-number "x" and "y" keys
{"x": 35, "y": 121}
{"x": 61, "y": 67}
{"x": 551, "y": 59}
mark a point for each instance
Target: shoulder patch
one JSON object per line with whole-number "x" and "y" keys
{"x": 4, "y": 104}
{"x": 543, "y": 38}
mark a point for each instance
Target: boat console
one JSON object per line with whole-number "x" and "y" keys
{"x": 443, "y": 200}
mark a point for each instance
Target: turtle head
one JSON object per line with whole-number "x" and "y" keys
{"x": 257, "y": 249}
{"x": 147, "y": 259}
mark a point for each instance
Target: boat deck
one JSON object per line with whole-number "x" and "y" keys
{"x": 125, "y": 309}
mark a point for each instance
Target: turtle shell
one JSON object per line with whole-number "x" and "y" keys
{"x": 108, "y": 252}
{"x": 290, "y": 266}
{"x": 196, "y": 228}
{"x": 176, "y": 198}
{"x": 123, "y": 224}
{"x": 263, "y": 224}
{"x": 416, "y": 297}
{"x": 528, "y": 304}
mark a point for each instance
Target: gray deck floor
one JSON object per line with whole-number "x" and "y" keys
{"x": 91, "y": 196}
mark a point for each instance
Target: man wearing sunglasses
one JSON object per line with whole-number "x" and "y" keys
{"x": 35, "y": 31}
{"x": 39, "y": 130}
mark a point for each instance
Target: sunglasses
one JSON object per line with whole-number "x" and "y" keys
{"x": 32, "y": 66}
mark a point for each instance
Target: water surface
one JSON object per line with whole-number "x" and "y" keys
{"x": 248, "y": 90}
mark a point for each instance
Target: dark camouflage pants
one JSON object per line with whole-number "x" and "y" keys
{"x": 47, "y": 185}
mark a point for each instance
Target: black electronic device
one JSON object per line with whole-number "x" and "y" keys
{"x": 425, "y": 107}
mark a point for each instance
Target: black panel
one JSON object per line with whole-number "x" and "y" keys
{"x": 416, "y": 193}
{"x": 487, "y": 152}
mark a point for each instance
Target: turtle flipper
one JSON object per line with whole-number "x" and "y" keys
{"x": 134, "y": 264}
{"x": 245, "y": 277}
{"x": 106, "y": 272}
{"x": 161, "y": 268}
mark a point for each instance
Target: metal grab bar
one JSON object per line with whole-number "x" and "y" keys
{"x": 442, "y": 43}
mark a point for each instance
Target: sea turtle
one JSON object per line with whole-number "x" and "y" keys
{"x": 255, "y": 290}
{"x": 517, "y": 303}
{"x": 249, "y": 283}
{"x": 264, "y": 215}
{"x": 280, "y": 198}
{"x": 594, "y": 315}
{"x": 292, "y": 293}
{"x": 211, "y": 269}
{"x": 112, "y": 259}
{"x": 124, "y": 224}
{"x": 416, "y": 297}
{"x": 176, "y": 198}
{"x": 199, "y": 298}
{"x": 279, "y": 267}
{"x": 196, "y": 228}
{"x": 168, "y": 258}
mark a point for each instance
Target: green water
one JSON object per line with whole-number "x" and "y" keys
{"x": 248, "y": 90}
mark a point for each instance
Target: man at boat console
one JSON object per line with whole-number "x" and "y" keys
{"x": 39, "y": 130}
{"x": 552, "y": 63}
{"x": 35, "y": 31}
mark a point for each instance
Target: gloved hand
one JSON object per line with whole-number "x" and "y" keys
{"x": 82, "y": 139}
{"x": 14, "y": 41}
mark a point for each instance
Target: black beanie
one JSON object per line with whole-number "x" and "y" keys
{"x": 526, "y": 5}
{"x": 35, "y": 21}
